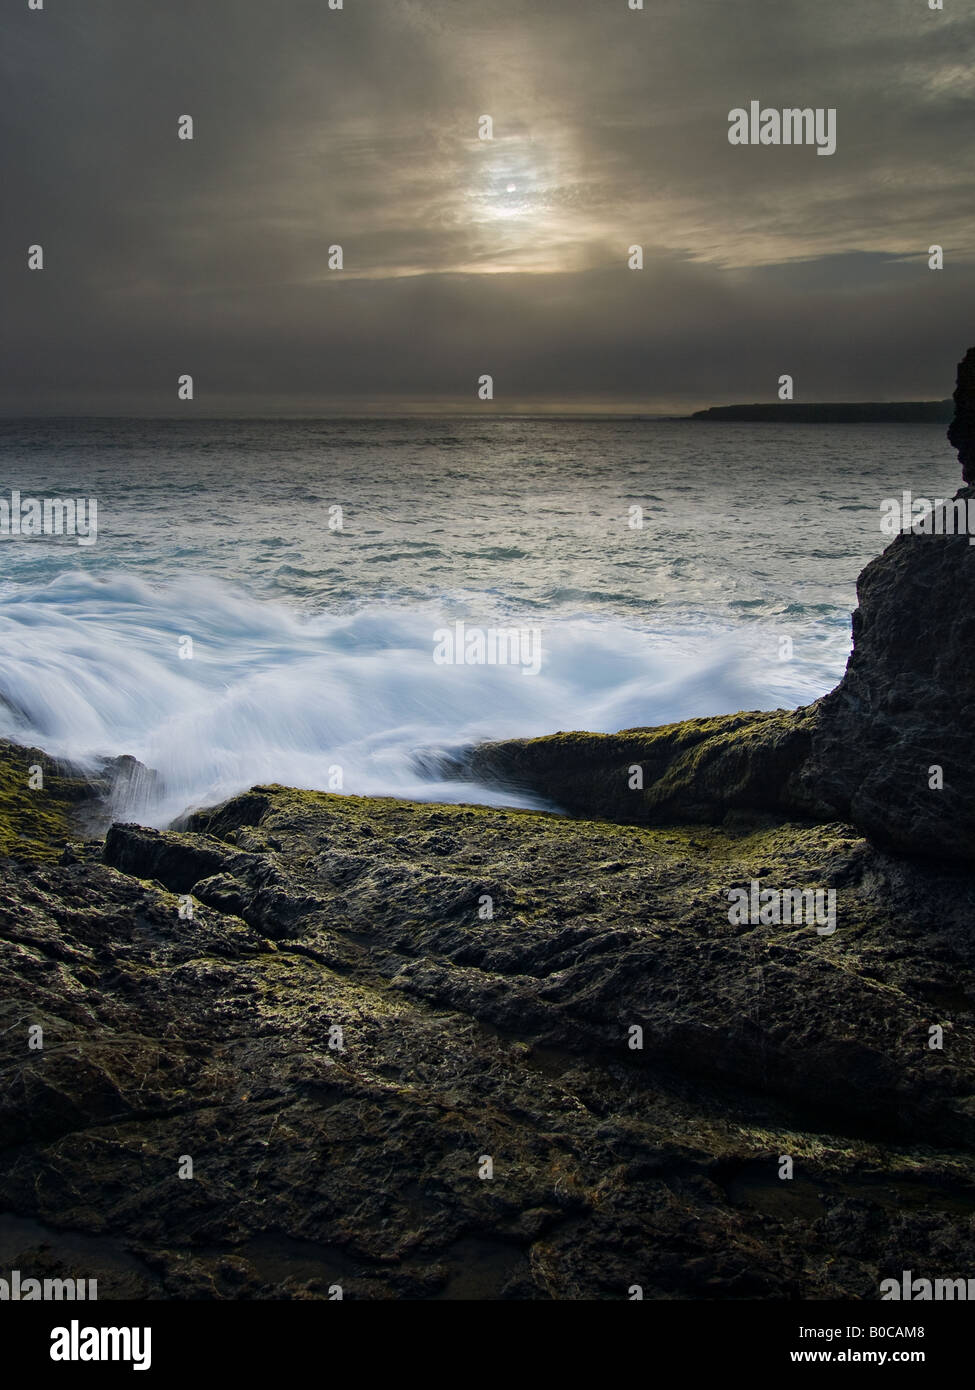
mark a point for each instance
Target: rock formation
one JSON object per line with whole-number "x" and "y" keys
{"x": 961, "y": 432}
{"x": 355, "y": 1157}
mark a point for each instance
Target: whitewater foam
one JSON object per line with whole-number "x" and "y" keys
{"x": 92, "y": 669}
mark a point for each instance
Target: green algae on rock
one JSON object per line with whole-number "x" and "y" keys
{"x": 696, "y": 771}
{"x": 40, "y": 802}
{"x": 339, "y": 1033}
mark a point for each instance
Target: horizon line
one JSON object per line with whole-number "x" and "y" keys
{"x": 528, "y": 414}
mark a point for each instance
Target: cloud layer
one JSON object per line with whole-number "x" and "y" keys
{"x": 359, "y": 127}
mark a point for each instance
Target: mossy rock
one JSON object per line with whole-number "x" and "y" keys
{"x": 37, "y": 821}
{"x": 692, "y": 772}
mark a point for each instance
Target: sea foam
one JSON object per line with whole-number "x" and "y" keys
{"x": 91, "y": 668}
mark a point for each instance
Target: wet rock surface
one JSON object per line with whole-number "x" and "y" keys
{"x": 354, "y": 1158}
{"x": 698, "y": 771}
{"x": 44, "y": 801}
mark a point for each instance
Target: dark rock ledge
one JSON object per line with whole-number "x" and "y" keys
{"x": 465, "y": 1035}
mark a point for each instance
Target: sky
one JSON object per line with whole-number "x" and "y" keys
{"x": 465, "y": 257}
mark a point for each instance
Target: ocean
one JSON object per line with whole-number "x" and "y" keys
{"x": 313, "y": 630}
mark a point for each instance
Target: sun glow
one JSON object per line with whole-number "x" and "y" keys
{"x": 510, "y": 183}
{"x": 514, "y": 205}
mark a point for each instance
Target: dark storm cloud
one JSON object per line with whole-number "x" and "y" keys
{"x": 358, "y": 127}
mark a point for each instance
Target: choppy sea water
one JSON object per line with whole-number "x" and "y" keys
{"x": 313, "y": 646}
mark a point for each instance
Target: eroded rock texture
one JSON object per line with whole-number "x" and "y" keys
{"x": 465, "y": 1036}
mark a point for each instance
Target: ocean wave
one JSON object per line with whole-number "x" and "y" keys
{"x": 93, "y": 668}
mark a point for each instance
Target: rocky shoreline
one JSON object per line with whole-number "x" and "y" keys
{"x": 354, "y": 1158}
{"x": 312, "y": 1042}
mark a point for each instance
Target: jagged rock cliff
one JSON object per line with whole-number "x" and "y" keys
{"x": 961, "y": 432}
{"x": 892, "y": 747}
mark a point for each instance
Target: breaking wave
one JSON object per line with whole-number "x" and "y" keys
{"x": 91, "y": 668}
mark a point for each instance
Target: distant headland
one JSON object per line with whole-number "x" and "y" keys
{"x": 837, "y": 413}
